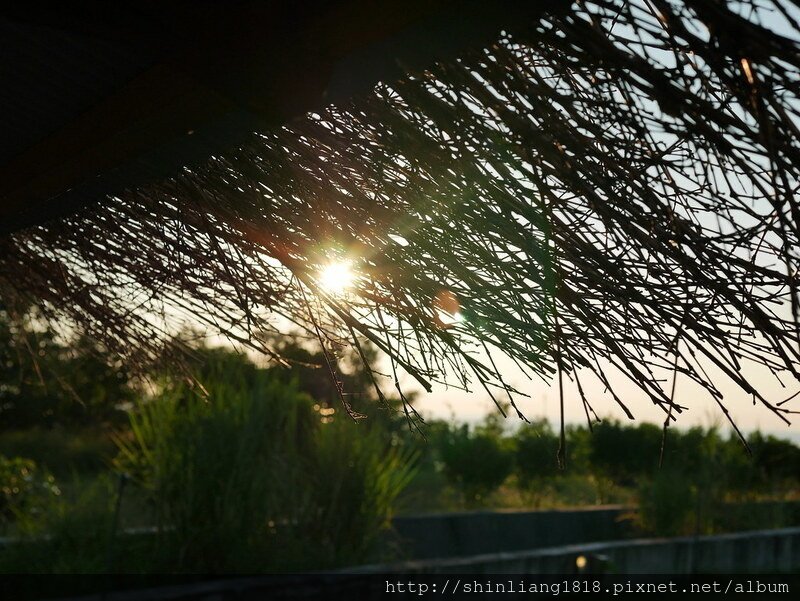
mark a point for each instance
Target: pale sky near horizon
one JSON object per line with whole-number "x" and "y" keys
{"x": 702, "y": 410}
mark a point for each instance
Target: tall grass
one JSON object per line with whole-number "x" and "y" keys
{"x": 358, "y": 479}
{"x": 251, "y": 479}
{"x": 246, "y": 477}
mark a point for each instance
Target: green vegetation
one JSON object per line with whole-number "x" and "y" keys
{"x": 25, "y": 490}
{"x": 476, "y": 461}
{"x": 248, "y": 469}
{"x": 246, "y": 474}
{"x": 251, "y": 477}
{"x": 703, "y": 476}
{"x": 47, "y": 383}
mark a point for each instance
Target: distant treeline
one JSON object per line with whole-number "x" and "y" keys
{"x": 688, "y": 487}
{"x": 482, "y": 457}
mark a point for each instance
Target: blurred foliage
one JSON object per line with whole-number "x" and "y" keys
{"x": 704, "y": 473}
{"x": 478, "y": 460}
{"x": 536, "y": 447}
{"x": 357, "y": 478}
{"x": 665, "y": 504}
{"x": 69, "y": 537}
{"x": 210, "y": 465}
{"x": 242, "y": 472}
{"x": 25, "y": 490}
{"x": 482, "y": 466}
{"x": 45, "y": 382}
{"x": 62, "y": 451}
{"x": 245, "y": 467}
{"x": 253, "y": 475}
{"x": 611, "y": 447}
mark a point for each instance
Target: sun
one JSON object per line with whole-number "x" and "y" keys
{"x": 337, "y": 277}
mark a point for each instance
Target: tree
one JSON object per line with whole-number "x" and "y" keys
{"x": 536, "y": 447}
{"x": 246, "y": 473}
{"x": 45, "y": 382}
{"x": 477, "y": 460}
{"x": 625, "y": 453}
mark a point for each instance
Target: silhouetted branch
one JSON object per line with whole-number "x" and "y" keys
{"x": 653, "y": 145}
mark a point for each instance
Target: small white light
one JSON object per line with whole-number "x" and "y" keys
{"x": 337, "y": 277}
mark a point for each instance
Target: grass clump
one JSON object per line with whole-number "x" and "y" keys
{"x": 243, "y": 474}
{"x": 250, "y": 477}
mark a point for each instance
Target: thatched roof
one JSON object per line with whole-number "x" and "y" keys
{"x": 611, "y": 188}
{"x": 105, "y": 96}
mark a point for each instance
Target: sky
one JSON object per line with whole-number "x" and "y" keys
{"x": 543, "y": 401}
{"x": 444, "y": 403}
{"x": 703, "y": 410}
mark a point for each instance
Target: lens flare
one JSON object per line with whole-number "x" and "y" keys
{"x": 448, "y": 309}
{"x": 337, "y": 277}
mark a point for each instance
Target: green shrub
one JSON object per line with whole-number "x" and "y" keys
{"x": 47, "y": 382}
{"x": 357, "y": 480}
{"x": 536, "y": 447}
{"x": 61, "y": 451}
{"x": 476, "y": 461}
{"x": 212, "y": 468}
{"x": 625, "y": 453}
{"x": 251, "y": 479}
{"x": 25, "y": 490}
{"x": 774, "y": 461}
{"x": 667, "y": 504}
{"x": 68, "y": 537}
